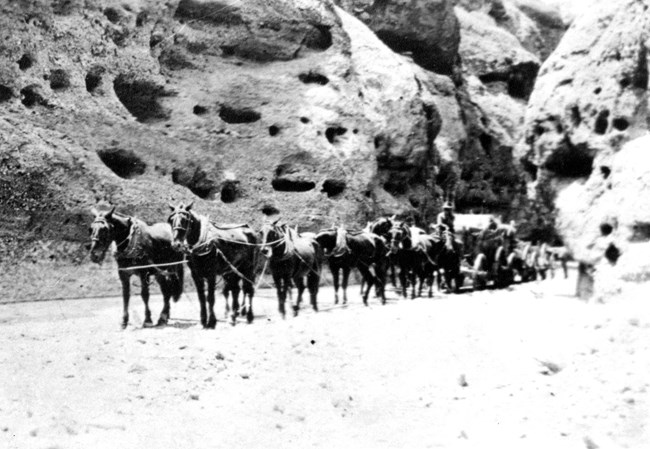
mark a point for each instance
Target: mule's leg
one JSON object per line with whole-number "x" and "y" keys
{"x": 368, "y": 279}
{"x": 413, "y": 280}
{"x": 313, "y": 281}
{"x": 380, "y": 281}
{"x": 344, "y": 284}
{"x": 233, "y": 285}
{"x": 391, "y": 264}
{"x": 212, "y": 319}
{"x": 199, "y": 282}
{"x": 166, "y": 288}
{"x": 403, "y": 281}
{"x": 226, "y": 293}
{"x": 300, "y": 285}
{"x": 277, "y": 281}
{"x": 335, "y": 278}
{"x": 249, "y": 291}
{"x": 144, "y": 292}
{"x": 126, "y": 293}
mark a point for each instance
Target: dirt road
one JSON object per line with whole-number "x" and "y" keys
{"x": 525, "y": 367}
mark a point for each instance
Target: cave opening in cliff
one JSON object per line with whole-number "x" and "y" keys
{"x": 124, "y": 163}
{"x": 319, "y": 37}
{"x": 59, "y": 79}
{"x": 230, "y": 191}
{"x": 292, "y": 185}
{"x": 333, "y": 132}
{"x": 199, "y": 110}
{"x": 602, "y": 122}
{"x": 274, "y": 130}
{"x": 94, "y": 78}
{"x": 571, "y": 161}
{"x": 576, "y": 117}
{"x": 31, "y": 96}
{"x": 5, "y": 93}
{"x": 267, "y": 209}
{"x": 140, "y": 98}
{"x": 312, "y": 77}
{"x": 333, "y": 187}
{"x": 26, "y": 61}
{"x": 620, "y": 123}
{"x": 605, "y": 171}
{"x": 234, "y": 115}
{"x": 112, "y": 14}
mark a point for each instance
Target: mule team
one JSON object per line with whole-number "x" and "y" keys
{"x": 239, "y": 255}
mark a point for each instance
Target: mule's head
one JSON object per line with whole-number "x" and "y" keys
{"x": 326, "y": 238}
{"x": 399, "y": 237}
{"x": 180, "y": 220}
{"x": 101, "y": 234}
{"x": 271, "y": 235}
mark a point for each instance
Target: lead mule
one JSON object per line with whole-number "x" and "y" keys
{"x": 142, "y": 250}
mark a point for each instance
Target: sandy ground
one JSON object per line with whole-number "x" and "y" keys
{"x": 525, "y": 367}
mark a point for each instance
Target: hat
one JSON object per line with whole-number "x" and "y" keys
{"x": 447, "y": 205}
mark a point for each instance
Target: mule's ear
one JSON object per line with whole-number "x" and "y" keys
{"x": 276, "y": 221}
{"x": 189, "y": 206}
{"x": 171, "y": 206}
{"x": 109, "y": 214}
{"x": 94, "y": 211}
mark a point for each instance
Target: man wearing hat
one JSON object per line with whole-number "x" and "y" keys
{"x": 446, "y": 217}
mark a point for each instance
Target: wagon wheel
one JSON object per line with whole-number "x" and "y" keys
{"x": 512, "y": 258}
{"x": 502, "y": 273}
{"x": 479, "y": 271}
{"x": 528, "y": 267}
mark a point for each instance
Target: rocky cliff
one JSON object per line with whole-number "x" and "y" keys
{"x": 583, "y": 126}
{"x": 311, "y": 110}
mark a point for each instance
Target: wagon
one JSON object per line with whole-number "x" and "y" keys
{"x": 486, "y": 251}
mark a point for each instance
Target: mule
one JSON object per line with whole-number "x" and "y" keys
{"x": 415, "y": 253}
{"x": 348, "y": 249}
{"x": 229, "y": 252}
{"x": 291, "y": 259}
{"x": 449, "y": 260}
{"x": 141, "y": 250}
{"x": 382, "y": 227}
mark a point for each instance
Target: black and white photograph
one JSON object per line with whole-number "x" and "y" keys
{"x": 324, "y": 224}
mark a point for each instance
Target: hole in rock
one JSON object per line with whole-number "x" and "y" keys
{"x": 576, "y": 117}
{"x": 333, "y": 187}
{"x": 605, "y": 171}
{"x": 59, "y": 79}
{"x": 333, "y": 132}
{"x": 94, "y": 78}
{"x": 620, "y": 123}
{"x": 292, "y": 185}
{"x": 267, "y": 209}
{"x": 112, "y": 14}
{"x": 274, "y": 130}
{"x": 304, "y": 120}
{"x": 31, "y": 95}
{"x": 602, "y": 122}
{"x": 5, "y": 93}
{"x": 199, "y": 110}
{"x": 230, "y": 191}
{"x": 238, "y": 115}
{"x": 140, "y": 98}
{"x": 124, "y": 163}
{"x": 26, "y": 61}
{"x": 313, "y": 78}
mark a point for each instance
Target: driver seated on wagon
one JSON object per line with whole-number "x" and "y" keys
{"x": 446, "y": 218}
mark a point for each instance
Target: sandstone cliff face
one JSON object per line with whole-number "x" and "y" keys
{"x": 426, "y": 29}
{"x": 253, "y": 108}
{"x": 589, "y": 100}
